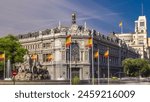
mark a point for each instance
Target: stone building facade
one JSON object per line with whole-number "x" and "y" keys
{"x": 52, "y": 41}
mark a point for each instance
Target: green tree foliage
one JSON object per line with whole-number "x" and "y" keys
{"x": 75, "y": 80}
{"x": 13, "y": 49}
{"x": 136, "y": 67}
{"x": 1, "y": 66}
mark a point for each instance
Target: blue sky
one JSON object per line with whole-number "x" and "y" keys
{"x": 23, "y": 16}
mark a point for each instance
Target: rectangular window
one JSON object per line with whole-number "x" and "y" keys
{"x": 141, "y": 42}
{"x": 43, "y": 45}
{"x": 141, "y": 37}
{"x": 45, "y": 58}
{"x": 141, "y": 23}
{"x": 63, "y": 55}
{"x": 46, "y": 45}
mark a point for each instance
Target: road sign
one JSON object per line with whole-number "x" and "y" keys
{"x": 14, "y": 73}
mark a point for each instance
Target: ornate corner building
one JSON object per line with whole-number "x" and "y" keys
{"x": 52, "y": 42}
{"x": 139, "y": 39}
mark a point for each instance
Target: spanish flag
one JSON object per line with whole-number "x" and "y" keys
{"x": 2, "y": 57}
{"x": 120, "y": 24}
{"x": 96, "y": 54}
{"x": 34, "y": 57}
{"x": 49, "y": 57}
{"x": 90, "y": 42}
{"x": 68, "y": 41}
{"x": 106, "y": 54}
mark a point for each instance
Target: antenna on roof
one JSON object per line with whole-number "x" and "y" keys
{"x": 85, "y": 25}
{"x": 142, "y": 8}
{"x": 59, "y": 25}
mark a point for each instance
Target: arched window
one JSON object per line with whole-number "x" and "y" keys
{"x": 75, "y": 52}
{"x": 75, "y": 55}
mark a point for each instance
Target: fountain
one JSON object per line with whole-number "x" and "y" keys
{"x": 31, "y": 70}
{"x": 8, "y": 70}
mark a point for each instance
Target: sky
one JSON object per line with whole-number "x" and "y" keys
{"x": 23, "y": 16}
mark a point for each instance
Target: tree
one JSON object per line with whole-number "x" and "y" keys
{"x": 136, "y": 67}
{"x": 129, "y": 67}
{"x": 13, "y": 48}
{"x": 144, "y": 67}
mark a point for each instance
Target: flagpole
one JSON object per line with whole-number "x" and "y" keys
{"x": 121, "y": 29}
{"x": 89, "y": 76}
{"x": 70, "y": 67}
{"x": 98, "y": 69}
{"x": 67, "y": 76}
{"x": 53, "y": 65}
{"x": 92, "y": 61}
{"x": 4, "y": 65}
{"x": 108, "y": 67}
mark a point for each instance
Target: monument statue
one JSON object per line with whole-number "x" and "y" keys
{"x": 31, "y": 70}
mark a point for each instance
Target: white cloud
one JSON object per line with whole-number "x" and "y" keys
{"x": 20, "y": 16}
